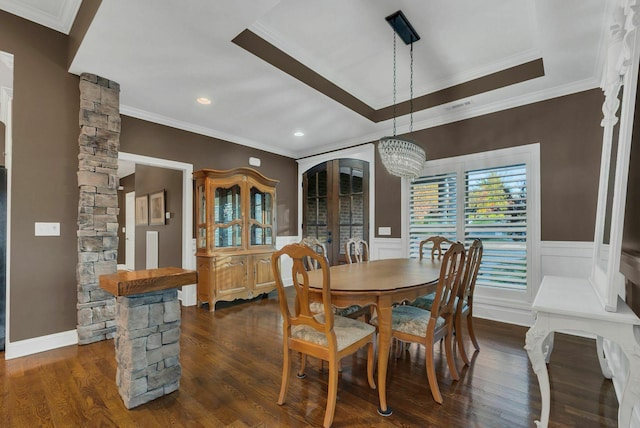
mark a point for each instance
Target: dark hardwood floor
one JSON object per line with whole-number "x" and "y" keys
{"x": 231, "y": 369}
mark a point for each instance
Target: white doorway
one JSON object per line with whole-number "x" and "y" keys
{"x": 130, "y": 231}
{"x": 188, "y": 293}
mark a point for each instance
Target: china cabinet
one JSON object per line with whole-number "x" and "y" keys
{"x": 235, "y": 234}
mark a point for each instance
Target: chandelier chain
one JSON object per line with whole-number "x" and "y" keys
{"x": 411, "y": 93}
{"x": 394, "y": 84}
{"x": 401, "y": 157}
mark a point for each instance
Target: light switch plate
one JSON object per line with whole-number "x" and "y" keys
{"x": 384, "y": 231}
{"x": 47, "y": 229}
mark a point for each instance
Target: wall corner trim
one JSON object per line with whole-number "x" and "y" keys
{"x": 40, "y": 344}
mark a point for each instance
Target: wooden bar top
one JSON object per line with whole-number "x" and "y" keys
{"x": 127, "y": 283}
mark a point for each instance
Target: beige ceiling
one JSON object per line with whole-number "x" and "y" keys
{"x": 166, "y": 53}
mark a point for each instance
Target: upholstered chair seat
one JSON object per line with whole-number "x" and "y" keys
{"x": 424, "y": 302}
{"x": 348, "y": 331}
{"x": 411, "y": 320}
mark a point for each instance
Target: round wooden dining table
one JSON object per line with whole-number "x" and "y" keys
{"x": 382, "y": 283}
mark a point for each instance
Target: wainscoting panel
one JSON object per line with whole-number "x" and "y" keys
{"x": 386, "y": 248}
{"x": 286, "y": 264}
{"x": 565, "y": 258}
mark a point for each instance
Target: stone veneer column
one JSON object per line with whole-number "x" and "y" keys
{"x": 99, "y": 143}
{"x": 147, "y": 346}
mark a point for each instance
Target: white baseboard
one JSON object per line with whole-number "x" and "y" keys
{"x": 40, "y": 344}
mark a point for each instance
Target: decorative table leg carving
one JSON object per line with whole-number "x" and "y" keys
{"x": 534, "y": 344}
{"x": 604, "y": 364}
{"x": 631, "y": 391}
{"x": 547, "y": 346}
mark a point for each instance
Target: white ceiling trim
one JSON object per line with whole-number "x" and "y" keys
{"x": 186, "y": 126}
{"x": 61, "y": 21}
{"x": 471, "y": 112}
{"x": 403, "y": 93}
{"x": 448, "y": 116}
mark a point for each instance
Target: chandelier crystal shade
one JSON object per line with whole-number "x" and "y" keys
{"x": 401, "y": 157}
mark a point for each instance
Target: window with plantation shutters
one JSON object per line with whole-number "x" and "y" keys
{"x": 495, "y": 211}
{"x": 433, "y": 209}
{"x": 485, "y": 196}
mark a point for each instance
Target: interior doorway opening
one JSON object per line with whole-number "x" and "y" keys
{"x": 188, "y": 293}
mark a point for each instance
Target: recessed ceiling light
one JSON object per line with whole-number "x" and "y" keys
{"x": 299, "y": 134}
{"x": 203, "y": 100}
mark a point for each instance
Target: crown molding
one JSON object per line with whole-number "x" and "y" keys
{"x": 61, "y": 20}
{"x": 197, "y": 129}
{"x": 469, "y": 113}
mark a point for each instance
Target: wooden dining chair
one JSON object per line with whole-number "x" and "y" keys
{"x": 464, "y": 303}
{"x": 425, "y": 301}
{"x": 436, "y": 246}
{"x": 317, "y": 246}
{"x": 326, "y": 336}
{"x": 412, "y": 324}
{"x": 353, "y": 311}
{"x": 356, "y": 250}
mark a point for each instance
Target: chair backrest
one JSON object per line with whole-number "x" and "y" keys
{"x": 437, "y": 242}
{"x": 360, "y": 252}
{"x": 301, "y": 313}
{"x": 450, "y": 278}
{"x": 472, "y": 265}
{"x": 318, "y": 247}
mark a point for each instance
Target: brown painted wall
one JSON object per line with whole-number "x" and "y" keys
{"x": 568, "y": 130}
{"x": 44, "y": 182}
{"x": 149, "y": 139}
{"x": 151, "y": 180}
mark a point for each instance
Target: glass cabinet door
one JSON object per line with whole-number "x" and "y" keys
{"x": 228, "y": 217}
{"x": 202, "y": 217}
{"x": 261, "y": 217}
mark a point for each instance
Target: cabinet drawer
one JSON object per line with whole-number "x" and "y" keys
{"x": 231, "y": 274}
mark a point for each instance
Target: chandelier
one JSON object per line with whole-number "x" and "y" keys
{"x": 402, "y": 157}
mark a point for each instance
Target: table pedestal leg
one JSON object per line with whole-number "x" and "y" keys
{"x": 384, "y": 345}
{"x": 536, "y": 338}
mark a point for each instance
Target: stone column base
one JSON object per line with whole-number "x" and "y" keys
{"x": 147, "y": 343}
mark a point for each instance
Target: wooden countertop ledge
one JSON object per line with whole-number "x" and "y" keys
{"x": 127, "y": 283}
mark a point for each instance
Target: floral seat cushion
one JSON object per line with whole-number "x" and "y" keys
{"x": 347, "y": 330}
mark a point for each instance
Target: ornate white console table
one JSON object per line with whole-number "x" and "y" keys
{"x": 571, "y": 304}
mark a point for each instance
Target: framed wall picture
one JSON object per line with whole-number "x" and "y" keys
{"x": 156, "y": 208}
{"x": 142, "y": 210}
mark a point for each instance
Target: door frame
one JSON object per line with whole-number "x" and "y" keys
{"x": 365, "y": 152}
{"x": 188, "y": 292}
{"x": 130, "y": 230}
